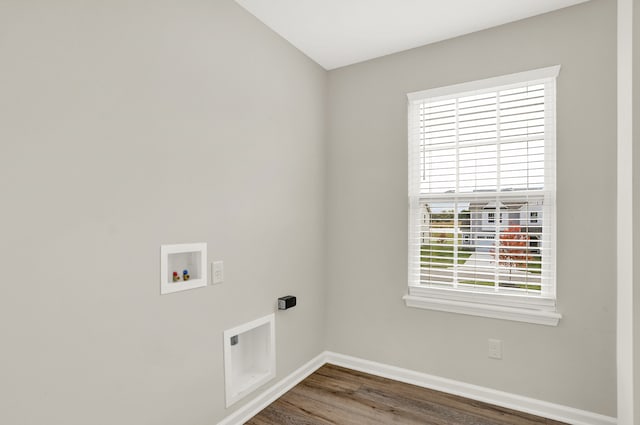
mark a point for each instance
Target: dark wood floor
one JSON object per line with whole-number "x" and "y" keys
{"x": 335, "y": 395}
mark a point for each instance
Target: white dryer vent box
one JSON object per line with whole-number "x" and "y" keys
{"x": 249, "y": 357}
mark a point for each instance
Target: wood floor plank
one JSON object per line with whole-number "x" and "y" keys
{"x": 423, "y": 408}
{"x": 354, "y": 408}
{"x": 491, "y": 412}
{"x": 332, "y": 383}
{"x": 329, "y": 408}
{"x": 334, "y": 395}
{"x": 286, "y": 412}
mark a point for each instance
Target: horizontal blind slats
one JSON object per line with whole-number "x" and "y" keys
{"x": 482, "y": 192}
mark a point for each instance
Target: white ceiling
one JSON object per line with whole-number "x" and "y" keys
{"x": 336, "y": 33}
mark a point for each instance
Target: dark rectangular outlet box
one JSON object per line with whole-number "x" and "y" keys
{"x": 286, "y": 302}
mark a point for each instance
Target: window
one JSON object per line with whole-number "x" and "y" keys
{"x": 534, "y": 216}
{"x": 476, "y": 151}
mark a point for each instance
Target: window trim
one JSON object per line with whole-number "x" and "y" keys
{"x": 474, "y": 308}
{"x": 507, "y": 304}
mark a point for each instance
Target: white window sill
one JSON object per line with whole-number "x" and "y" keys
{"x": 535, "y": 310}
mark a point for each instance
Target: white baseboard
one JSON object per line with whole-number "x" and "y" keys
{"x": 272, "y": 393}
{"x": 511, "y": 401}
{"x": 474, "y": 392}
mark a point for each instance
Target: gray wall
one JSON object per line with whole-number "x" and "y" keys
{"x": 636, "y": 206}
{"x": 125, "y": 125}
{"x": 572, "y": 364}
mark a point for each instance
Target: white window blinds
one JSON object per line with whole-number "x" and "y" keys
{"x": 482, "y": 186}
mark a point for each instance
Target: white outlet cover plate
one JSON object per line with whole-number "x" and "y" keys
{"x": 495, "y": 349}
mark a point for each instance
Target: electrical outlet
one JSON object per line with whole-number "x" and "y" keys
{"x": 217, "y": 272}
{"x": 495, "y": 349}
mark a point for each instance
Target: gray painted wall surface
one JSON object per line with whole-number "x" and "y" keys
{"x": 636, "y": 207}
{"x": 125, "y": 125}
{"x": 572, "y": 364}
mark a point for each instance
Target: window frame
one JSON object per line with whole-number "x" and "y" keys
{"x": 503, "y": 304}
